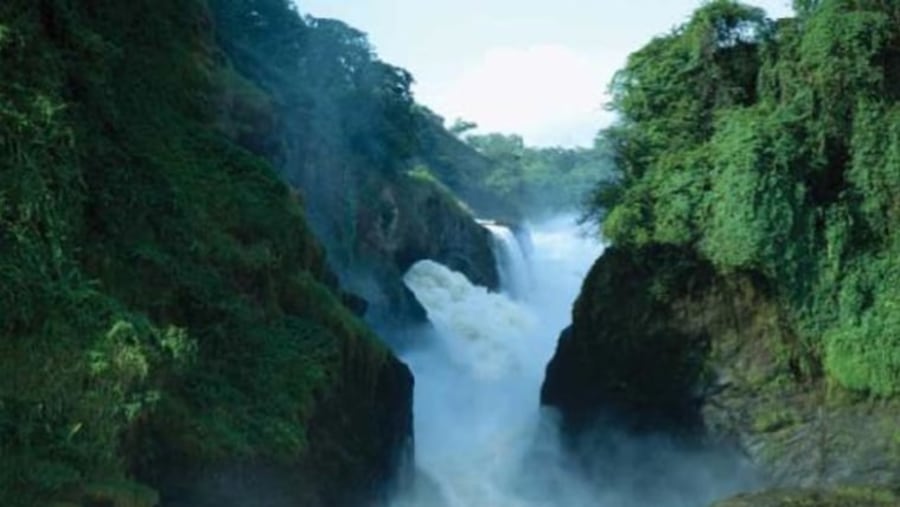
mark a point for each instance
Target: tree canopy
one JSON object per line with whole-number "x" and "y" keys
{"x": 541, "y": 180}
{"x": 771, "y": 147}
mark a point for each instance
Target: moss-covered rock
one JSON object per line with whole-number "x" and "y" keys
{"x": 119, "y": 494}
{"x": 661, "y": 340}
{"x": 626, "y": 355}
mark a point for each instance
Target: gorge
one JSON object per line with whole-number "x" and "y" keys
{"x": 241, "y": 265}
{"x": 479, "y": 371}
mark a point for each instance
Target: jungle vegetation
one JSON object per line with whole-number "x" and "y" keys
{"x": 542, "y": 181}
{"x": 159, "y": 286}
{"x": 772, "y": 148}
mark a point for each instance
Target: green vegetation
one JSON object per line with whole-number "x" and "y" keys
{"x": 772, "y": 148}
{"x": 342, "y": 127}
{"x": 774, "y": 420}
{"x": 856, "y": 496}
{"x": 159, "y": 289}
{"x": 342, "y": 123}
{"x": 541, "y": 180}
{"x": 460, "y": 167}
{"x": 421, "y": 175}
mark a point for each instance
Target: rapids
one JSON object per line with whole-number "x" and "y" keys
{"x": 477, "y": 415}
{"x": 481, "y": 436}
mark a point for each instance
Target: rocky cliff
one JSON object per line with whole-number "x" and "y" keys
{"x": 661, "y": 342}
{"x": 343, "y": 129}
{"x": 842, "y": 497}
{"x": 750, "y": 295}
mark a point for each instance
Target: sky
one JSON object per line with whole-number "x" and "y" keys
{"x": 539, "y": 68}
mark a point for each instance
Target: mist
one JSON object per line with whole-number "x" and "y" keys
{"x": 482, "y": 438}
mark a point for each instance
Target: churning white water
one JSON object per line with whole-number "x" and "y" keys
{"x": 478, "y": 421}
{"x": 512, "y": 263}
{"x": 482, "y": 439}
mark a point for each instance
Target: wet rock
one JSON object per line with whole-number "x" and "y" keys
{"x": 625, "y": 356}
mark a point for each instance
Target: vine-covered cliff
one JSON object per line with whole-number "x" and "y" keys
{"x": 750, "y": 293}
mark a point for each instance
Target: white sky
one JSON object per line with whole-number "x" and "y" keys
{"x": 534, "y": 67}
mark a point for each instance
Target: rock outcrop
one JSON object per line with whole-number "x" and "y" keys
{"x": 359, "y": 439}
{"x": 408, "y": 221}
{"x": 660, "y": 341}
{"x": 625, "y": 355}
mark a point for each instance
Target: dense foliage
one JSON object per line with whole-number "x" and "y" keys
{"x": 159, "y": 288}
{"x": 541, "y": 180}
{"x": 771, "y": 148}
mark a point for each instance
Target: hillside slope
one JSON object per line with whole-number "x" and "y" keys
{"x": 168, "y": 326}
{"x": 343, "y": 128}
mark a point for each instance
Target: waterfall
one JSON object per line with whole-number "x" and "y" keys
{"x": 478, "y": 376}
{"x": 515, "y": 271}
{"x": 459, "y": 310}
{"x": 482, "y": 439}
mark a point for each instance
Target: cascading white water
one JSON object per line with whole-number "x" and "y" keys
{"x": 473, "y": 317}
{"x": 515, "y": 271}
{"x": 477, "y": 412}
{"x": 482, "y": 439}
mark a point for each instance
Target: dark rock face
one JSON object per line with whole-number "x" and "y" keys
{"x": 659, "y": 340}
{"x": 363, "y": 434}
{"x": 624, "y": 355}
{"x": 409, "y": 221}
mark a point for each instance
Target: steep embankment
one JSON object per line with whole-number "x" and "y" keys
{"x": 343, "y": 128}
{"x": 750, "y": 295}
{"x": 168, "y": 326}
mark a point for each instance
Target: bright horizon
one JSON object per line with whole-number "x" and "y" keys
{"x": 515, "y": 66}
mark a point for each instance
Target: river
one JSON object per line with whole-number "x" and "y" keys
{"x": 478, "y": 375}
{"x": 481, "y": 437}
